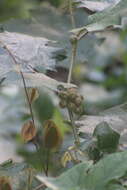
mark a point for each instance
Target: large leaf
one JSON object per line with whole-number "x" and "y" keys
{"x": 28, "y": 52}
{"x": 21, "y": 52}
{"x": 116, "y": 117}
{"x": 96, "y": 177}
{"x": 111, "y": 18}
{"x": 34, "y": 80}
{"x": 95, "y": 6}
{"x": 116, "y": 187}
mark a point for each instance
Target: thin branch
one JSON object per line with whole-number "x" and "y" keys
{"x": 76, "y": 137}
{"x": 39, "y": 187}
{"x": 47, "y": 161}
{"x": 73, "y": 57}
{"x": 71, "y": 14}
{"x": 29, "y": 180}
{"x": 37, "y": 149}
{"x": 24, "y": 84}
{"x": 27, "y": 96}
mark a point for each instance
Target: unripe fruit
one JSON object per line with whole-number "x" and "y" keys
{"x": 71, "y": 106}
{"x": 72, "y": 93}
{"x": 63, "y": 104}
{"x": 79, "y": 100}
{"x": 63, "y": 94}
{"x": 78, "y": 110}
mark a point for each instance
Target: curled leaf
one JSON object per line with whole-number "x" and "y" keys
{"x": 28, "y": 131}
{"x": 4, "y": 183}
{"x": 52, "y": 136}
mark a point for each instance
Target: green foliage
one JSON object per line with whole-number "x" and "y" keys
{"x": 20, "y": 175}
{"x": 108, "y": 19}
{"x": 14, "y": 8}
{"x": 56, "y": 3}
{"x": 44, "y": 107}
{"x": 101, "y": 176}
{"x": 108, "y": 171}
{"x": 107, "y": 138}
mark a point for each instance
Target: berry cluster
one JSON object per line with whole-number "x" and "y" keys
{"x": 72, "y": 100}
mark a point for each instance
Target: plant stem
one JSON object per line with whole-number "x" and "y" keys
{"x": 71, "y": 14}
{"x": 29, "y": 179}
{"x": 73, "y": 56}
{"x": 76, "y": 137}
{"x": 47, "y": 161}
{"x": 37, "y": 149}
{"x": 27, "y": 96}
{"x": 74, "y": 43}
{"x": 24, "y": 84}
{"x": 40, "y": 186}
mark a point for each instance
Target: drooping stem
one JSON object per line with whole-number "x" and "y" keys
{"x": 73, "y": 57}
{"x": 27, "y": 96}
{"x": 71, "y": 14}
{"x": 24, "y": 83}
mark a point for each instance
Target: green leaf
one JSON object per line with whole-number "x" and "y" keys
{"x": 19, "y": 175}
{"x": 95, "y": 6}
{"x": 86, "y": 177}
{"x": 14, "y": 8}
{"x": 19, "y": 52}
{"x": 59, "y": 121}
{"x": 115, "y": 187}
{"x": 70, "y": 180}
{"x": 12, "y": 169}
{"x": 107, "y": 138}
{"x": 110, "y": 18}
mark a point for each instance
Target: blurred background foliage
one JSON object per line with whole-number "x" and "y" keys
{"x": 100, "y": 73}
